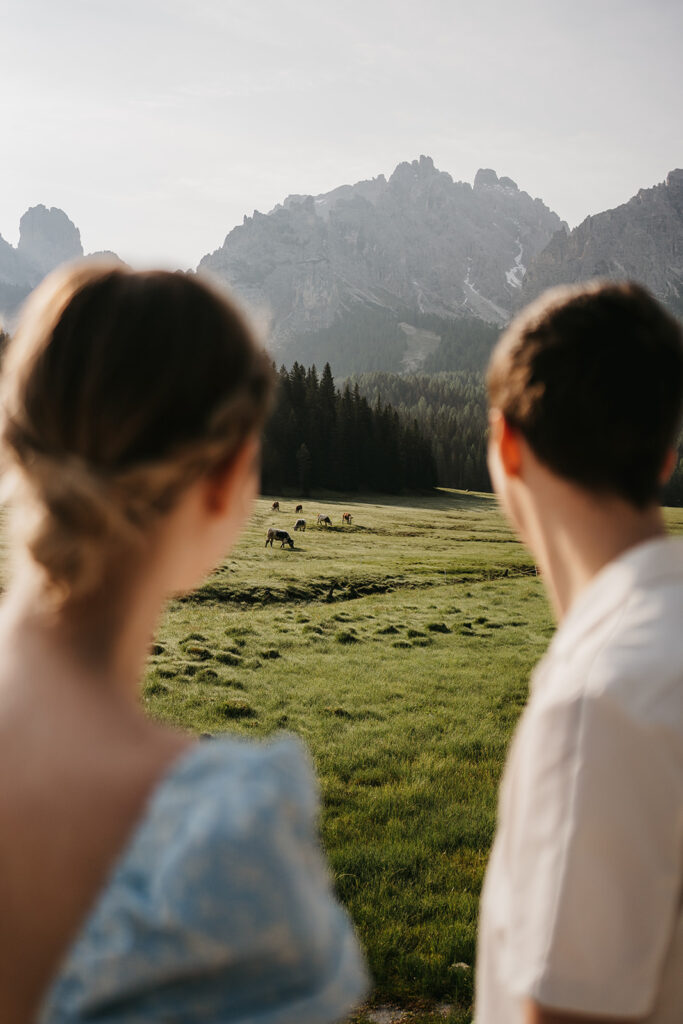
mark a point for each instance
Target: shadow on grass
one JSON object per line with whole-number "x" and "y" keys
{"x": 441, "y": 499}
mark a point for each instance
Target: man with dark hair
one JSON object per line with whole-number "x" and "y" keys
{"x": 582, "y": 911}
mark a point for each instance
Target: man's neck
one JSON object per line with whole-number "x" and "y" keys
{"x": 574, "y": 535}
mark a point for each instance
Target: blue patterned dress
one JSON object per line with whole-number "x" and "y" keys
{"x": 220, "y": 907}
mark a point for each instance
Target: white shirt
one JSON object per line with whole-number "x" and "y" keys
{"x": 582, "y": 904}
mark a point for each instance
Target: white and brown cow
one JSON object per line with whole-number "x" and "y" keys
{"x": 280, "y": 535}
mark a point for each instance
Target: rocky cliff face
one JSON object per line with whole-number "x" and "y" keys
{"x": 46, "y": 238}
{"x": 641, "y": 240}
{"x": 417, "y": 241}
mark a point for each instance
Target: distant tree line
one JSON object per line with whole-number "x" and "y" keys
{"x": 449, "y": 409}
{"x": 323, "y": 437}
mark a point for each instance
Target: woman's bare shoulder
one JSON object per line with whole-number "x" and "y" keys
{"x": 74, "y": 787}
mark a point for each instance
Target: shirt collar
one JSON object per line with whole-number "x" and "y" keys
{"x": 647, "y": 561}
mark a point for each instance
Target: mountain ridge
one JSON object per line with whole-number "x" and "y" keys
{"x": 401, "y": 273}
{"x": 415, "y": 240}
{"x": 640, "y": 239}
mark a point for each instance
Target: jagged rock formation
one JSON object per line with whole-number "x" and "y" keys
{"x": 641, "y": 240}
{"x": 47, "y": 237}
{"x": 418, "y": 241}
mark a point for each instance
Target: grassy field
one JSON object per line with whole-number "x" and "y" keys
{"x": 399, "y": 649}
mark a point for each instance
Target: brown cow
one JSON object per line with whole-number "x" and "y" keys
{"x": 346, "y": 518}
{"x": 280, "y": 535}
{"x": 275, "y": 507}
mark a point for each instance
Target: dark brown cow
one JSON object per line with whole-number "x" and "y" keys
{"x": 280, "y": 535}
{"x": 299, "y": 508}
{"x": 275, "y": 507}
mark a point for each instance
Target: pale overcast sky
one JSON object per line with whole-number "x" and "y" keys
{"x": 156, "y": 124}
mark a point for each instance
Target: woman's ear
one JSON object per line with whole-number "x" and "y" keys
{"x": 668, "y": 466}
{"x": 233, "y": 477}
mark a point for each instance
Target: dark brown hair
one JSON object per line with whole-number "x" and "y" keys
{"x": 592, "y": 376}
{"x": 119, "y": 390}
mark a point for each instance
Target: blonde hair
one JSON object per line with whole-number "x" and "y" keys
{"x": 118, "y": 391}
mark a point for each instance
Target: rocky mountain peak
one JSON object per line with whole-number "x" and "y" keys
{"x": 48, "y": 238}
{"x": 485, "y": 176}
{"x": 641, "y": 240}
{"x": 418, "y": 242}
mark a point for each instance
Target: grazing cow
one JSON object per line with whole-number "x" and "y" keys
{"x": 280, "y": 535}
{"x": 299, "y": 508}
{"x": 300, "y": 524}
{"x": 324, "y": 520}
{"x": 275, "y": 507}
{"x": 346, "y": 518}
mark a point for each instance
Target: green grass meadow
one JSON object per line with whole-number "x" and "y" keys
{"x": 399, "y": 649}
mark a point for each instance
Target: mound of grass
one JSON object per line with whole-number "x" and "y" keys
{"x": 339, "y": 712}
{"x": 270, "y": 654}
{"x": 438, "y": 627}
{"x": 229, "y": 681}
{"x": 206, "y": 675}
{"x": 236, "y": 710}
{"x": 345, "y": 636}
{"x": 197, "y": 651}
{"x": 155, "y": 689}
{"x": 387, "y": 631}
{"x": 227, "y": 658}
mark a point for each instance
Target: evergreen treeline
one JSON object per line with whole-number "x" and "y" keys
{"x": 466, "y": 343}
{"x": 319, "y": 436}
{"x": 449, "y": 409}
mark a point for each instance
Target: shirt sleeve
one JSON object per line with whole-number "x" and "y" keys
{"x": 236, "y": 921}
{"x": 593, "y": 857}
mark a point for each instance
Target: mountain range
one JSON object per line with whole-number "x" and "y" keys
{"x": 413, "y": 271}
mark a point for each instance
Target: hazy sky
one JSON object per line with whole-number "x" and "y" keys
{"x": 156, "y": 124}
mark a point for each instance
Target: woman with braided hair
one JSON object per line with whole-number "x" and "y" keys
{"x": 144, "y": 877}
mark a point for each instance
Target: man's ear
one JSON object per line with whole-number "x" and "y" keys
{"x": 668, "y": 466}
{"x": 507, "y": 441}
{"x": 230, "y": 476}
